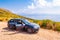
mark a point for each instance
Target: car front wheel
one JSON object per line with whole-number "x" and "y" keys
{"x": 29, "y": 30}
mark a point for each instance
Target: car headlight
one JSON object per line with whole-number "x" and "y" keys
{"x": 36, "y": 27}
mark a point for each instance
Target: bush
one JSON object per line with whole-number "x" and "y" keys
{"x": 58, "y": 28}
{"x": 48, "y": 24}
{"x": 44, "y": 25}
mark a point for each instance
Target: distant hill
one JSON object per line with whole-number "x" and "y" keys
{"x": 6, "y": 15}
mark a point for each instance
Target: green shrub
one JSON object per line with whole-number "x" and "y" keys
{"x": 58, "y": 28}
{"x": 48, "y": 24}
{"x": 44, "y": 23}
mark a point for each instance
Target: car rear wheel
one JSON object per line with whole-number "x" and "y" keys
{"x": 9, "y": 27}
{"x": 14, "y": 27}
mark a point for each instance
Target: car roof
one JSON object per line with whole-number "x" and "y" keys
{"x": 17, "y": 19}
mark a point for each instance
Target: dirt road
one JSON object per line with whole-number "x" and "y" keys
{"x": 43, "y": 34}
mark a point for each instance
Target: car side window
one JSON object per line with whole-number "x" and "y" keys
{"x": 11, "y": 20}
{"x": 19, "y": 22}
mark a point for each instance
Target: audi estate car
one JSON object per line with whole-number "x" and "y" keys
{"x": 23, "y": 24}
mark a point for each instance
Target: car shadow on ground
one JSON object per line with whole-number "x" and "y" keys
{"x": 6, "y": 29}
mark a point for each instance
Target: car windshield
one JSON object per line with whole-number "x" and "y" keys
{"x": 26, "y": 21}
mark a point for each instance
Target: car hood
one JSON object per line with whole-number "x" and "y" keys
{"x": 34, "y": 25}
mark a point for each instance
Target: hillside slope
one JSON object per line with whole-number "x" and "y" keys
{"x": 6, "y": 15}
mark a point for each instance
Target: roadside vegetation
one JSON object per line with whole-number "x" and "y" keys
{"x": 49, "y": 24}
{"x": 6, "y": 15}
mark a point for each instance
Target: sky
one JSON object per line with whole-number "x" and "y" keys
{"x": 14, "y": 5}
{"x": 49, "y": 9}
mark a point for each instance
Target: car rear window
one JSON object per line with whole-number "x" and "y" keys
{"x": 11, "y": 21}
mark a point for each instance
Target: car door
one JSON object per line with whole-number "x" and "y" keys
{"x": 18, "y": 23}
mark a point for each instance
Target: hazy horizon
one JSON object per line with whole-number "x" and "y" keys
{"x": 43, "y": 16}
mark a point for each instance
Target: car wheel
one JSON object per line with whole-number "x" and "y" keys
{"x": 9, "y": 27}
{"x": 14, "y": 27}
{"x": 29, "y": 30}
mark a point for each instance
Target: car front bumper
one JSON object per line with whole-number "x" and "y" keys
{"x": 36, "y": 30}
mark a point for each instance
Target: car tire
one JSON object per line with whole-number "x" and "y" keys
{"x": 29, "y": 30}
{"x": 14, "y": 27}
{"x": 9, "y": 26}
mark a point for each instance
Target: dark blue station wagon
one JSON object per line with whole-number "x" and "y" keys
{"x": 23, "y": 24}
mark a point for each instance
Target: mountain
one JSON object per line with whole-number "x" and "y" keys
{"x": 6, "y": 15}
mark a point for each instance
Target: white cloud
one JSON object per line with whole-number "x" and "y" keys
{"x": 56, "y": 2}
{"x": 42, "y": 3}
{"x": 43, "y": 6}
{"x": 31, "y": 6}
